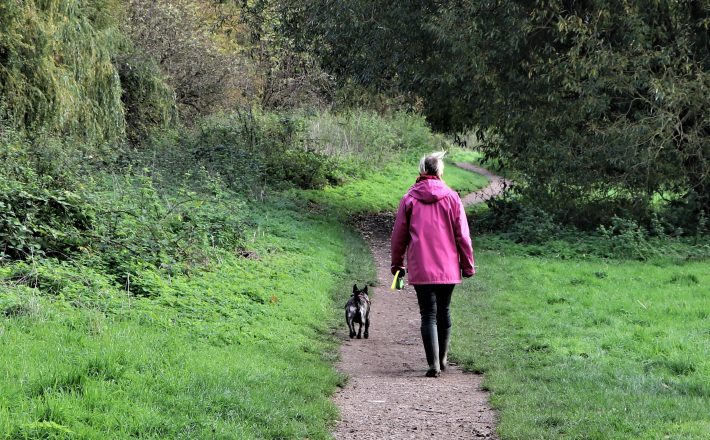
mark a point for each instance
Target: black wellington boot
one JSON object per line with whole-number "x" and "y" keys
{"x": 431, "y": 348}
{"x": 444, "y": 336}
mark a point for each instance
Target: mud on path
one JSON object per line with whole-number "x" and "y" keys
{"x": 387, "y": 395}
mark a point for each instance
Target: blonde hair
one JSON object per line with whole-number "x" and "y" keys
{"x": 432, "y": 164}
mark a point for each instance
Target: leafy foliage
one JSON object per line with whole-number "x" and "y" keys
{"x": 596, "y": 109}
{"x": 41, "y": 211}
{"x": 176, "y": 36}
{"x": 56, "y": 71}
{"x": 148, "y": 101}
{"x": 141, "y": 229}
{"x": 250, "y": 151}
{"x": 39, "y": 221}
{"x": 288, "y": 79}
{"x": 254, "y": 151}
{"x": 517, "y": 228}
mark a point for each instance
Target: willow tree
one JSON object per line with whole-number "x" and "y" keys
{"x": 56, "y": 69}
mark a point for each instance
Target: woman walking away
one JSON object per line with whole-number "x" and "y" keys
{"x": 432, "y": 229}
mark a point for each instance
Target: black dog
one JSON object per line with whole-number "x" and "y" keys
{"x": 357, "y": 311}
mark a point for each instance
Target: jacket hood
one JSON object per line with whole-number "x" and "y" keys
{"x": 429, "y": 191}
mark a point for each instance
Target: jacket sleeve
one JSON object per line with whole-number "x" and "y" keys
{"x": 400, "y": 237}
{"x": 463, "y": 240}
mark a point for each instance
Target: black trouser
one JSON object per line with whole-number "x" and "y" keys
{"x": 434, "y": 301}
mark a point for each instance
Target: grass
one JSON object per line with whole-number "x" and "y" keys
{"x": 588, "y": 348}
{"x": 239, "y": 351}
{"x": 456, "y": 154}
{"x": 242, "y": 347}
{"x": 239, "y": 348}
{"x": 383, "y": 191}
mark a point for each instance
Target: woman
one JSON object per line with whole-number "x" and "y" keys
{"x": 431, "y": 227}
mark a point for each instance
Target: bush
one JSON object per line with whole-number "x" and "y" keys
{"x": 530, "y": 230}
{"x": 517, "y": 221}
{"x": 144, "y": 229}
{"x": 533, "y": 225}
{"x": 304, "y": 168}
{"x": 248, "y": 150}
{"x": 627, "y": 239}
{"x": 39, "y": 221}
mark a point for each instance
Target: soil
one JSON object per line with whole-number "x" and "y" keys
{"x": 387, "y": 395}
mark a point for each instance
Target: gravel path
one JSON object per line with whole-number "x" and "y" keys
{"x": 387, "y": 395}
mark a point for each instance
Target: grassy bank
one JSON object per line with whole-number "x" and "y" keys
{"x": 383, "y": 191}
{"x": 237, "y": 351}
{"x": 588, "y": 349}
{"x": 233, "y": 344}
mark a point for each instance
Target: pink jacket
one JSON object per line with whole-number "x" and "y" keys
{"x": 431, "y": 227}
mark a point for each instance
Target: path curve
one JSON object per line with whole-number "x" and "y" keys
{"x": 496, "y": 185}
{"x": 387, "y": 395}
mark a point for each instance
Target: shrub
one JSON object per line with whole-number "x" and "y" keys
{"x": 304, "y": 168}
{"x": 145, "y": 229}
{"x": 40, "y": 221}
{"x": 248, "y": 150}
{"x": 533, "y": 225}
{"x": 627, "y": 239}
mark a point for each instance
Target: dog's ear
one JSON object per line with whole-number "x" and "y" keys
{"x": 365, "y": 289}
{"x": 354, "y": 288}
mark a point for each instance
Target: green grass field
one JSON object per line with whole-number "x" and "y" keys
{"x": 588, "y": 349}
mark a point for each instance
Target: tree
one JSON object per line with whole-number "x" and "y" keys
{"x": 56, "y": 71}
{"x": 174, "y": 34}
{"x": 597, "y": 105}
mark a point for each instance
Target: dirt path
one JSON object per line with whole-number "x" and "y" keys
{"x": 387, "y": 395}
{"x": 496, "y": 185}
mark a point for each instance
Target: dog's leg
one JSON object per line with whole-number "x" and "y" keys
{"x": 351, "y": 326}
{"x": 359, "y": 330}
{"x": 367, "y": 325}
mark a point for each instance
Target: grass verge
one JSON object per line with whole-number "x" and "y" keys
{"x": 588, "y": 349}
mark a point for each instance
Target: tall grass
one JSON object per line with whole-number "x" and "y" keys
{"x": 366, "y": 140}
